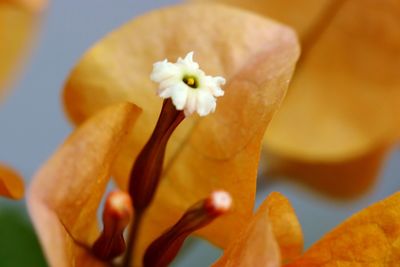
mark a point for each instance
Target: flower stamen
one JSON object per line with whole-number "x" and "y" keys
{"x": 191, "y": 81}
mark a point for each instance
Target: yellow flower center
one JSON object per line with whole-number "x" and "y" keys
{"x": 190, "y": 81}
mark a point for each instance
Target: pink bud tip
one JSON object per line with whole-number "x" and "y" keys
{"x": 119, "y": 205}
{"x": 164, "y": 249}
{"x": 219, "y": 202}
{"x": 117, "y": 214}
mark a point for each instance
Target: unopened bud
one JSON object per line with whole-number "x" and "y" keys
{"x": 117, "y": 215}
{"x": 165, "y": 248}
{"x": 219, "y": 202}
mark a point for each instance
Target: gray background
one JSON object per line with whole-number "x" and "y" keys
{"x": 33, "y": 124}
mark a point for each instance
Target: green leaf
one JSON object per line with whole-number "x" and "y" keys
{"x": 18, "y": 243}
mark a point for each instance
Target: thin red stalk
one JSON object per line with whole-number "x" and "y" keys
{"x": 146, "y": 171}
{"x": 133, "y": 234}
{"x": 165, "y": 248}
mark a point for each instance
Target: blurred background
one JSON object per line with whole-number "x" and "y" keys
{"x": 33, "y": 125}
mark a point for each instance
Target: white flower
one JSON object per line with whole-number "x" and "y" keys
{"x": 188, "y": 86}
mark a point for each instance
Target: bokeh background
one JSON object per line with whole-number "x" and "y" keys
{"x": 33, "y": 125}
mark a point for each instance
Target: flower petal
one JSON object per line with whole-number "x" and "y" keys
{"x": 18, "y": 24}
{"x": 179, "y": 96}
{"x": 66, "y": 191}
{"x": 255, "y": 245}
{"x": 188, "y": 62}
{"x": 205, "y": 103}
{"x": 163, "y": 70}
{"x": 219, "y": 151}
{"x": 11, "y": 183}
{"x": 371, "y": 237}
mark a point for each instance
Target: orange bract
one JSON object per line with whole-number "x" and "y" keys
{"x": 285, "y": 226}
{"x": 346, "y": 179}
{"x": 342, "y": 105}
{"x": 255, "y": 245}
{"x": 29, "y": 5}
{"x": 285, "y": 11}
{"x": 331, "y": 112}
{"x": 11, "y": 183}
{"x": 18, "y": 23}
{"x": 66, "y": 191}
{"x": 220, "y": 151}
{"x": 272, "y": 235}
{"x": 368, "y": 238}
{"x": 17, "y": 19}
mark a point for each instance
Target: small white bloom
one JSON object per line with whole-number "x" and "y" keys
{"x": 190, "y": 89}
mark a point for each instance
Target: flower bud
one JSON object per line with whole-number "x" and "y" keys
{"x": 164, "y": 249}
{"x": 117, "y": 215}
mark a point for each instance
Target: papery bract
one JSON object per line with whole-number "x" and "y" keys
{"x": 66, "y": 192}
{"x": 255, "y": 245}
{"x": 272, "y": 236}
{"x": 18, "y": 24}
{"x": 285, "y": 11}
{"x": 18, "y": 19}
{"x": 220, "y": 151}
{"x": 11, "y": 183}
{"x": 285, "y": 226}
{"x": 343, "y": 103}
{"x": 370, "y": 237}
{"x": 349, "y": 72}
{"x": 343, "y": 180}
